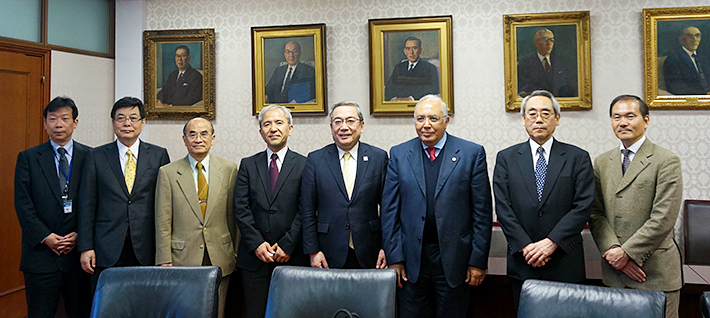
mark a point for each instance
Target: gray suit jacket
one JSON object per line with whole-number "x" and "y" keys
{"x": 637, "y": 211}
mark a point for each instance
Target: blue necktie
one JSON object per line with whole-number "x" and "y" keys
{"x": 625, "y": 162}
{"x": 540, "y": 172}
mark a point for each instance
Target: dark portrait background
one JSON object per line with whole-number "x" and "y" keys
{"x": 668, "y": 32}
{"x": 565, "y": 43}
{"x": 274, "y": 53}
{"x": 394, "y": 48}
{"x": 165, "y": 53}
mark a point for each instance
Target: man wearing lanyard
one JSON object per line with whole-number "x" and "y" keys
{"x": 46, "y": 184}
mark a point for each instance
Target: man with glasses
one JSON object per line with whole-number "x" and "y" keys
{"x": 436, "y": 216}
{"x": 292, "y": 81}
{"x": 194, "y": 208}
{"x": 546, "y": 70}
{"x": 183, "y": 87}
{"x": 544, "y": 191}
{"x": 412, "y": 78}
{"x": 116, "y": 218}
{"x": 341, "y": 190}
{"x": 684, "y": 71}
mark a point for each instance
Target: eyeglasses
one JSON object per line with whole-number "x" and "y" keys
{"x": 546, "y": 40}
{"x": 432, "y": 119}
{"x": 697, "y": 36}
{"x": 122, "y": 119}
{"x": 542, "y": 114}
{"x": 203, "y": 135}
{"x": 350, "y": 121}
{"x": 291, "y": 52}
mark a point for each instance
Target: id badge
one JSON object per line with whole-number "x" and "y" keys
{"x": 67, "y": 206}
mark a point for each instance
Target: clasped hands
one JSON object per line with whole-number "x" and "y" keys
{"x": 618, "y": 259}
{"x": 538, "y": 254}
{"x": 268, "y": 253}
{"x": 61, "y": 244}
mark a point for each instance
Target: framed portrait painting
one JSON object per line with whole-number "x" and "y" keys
{"x": 179, "y": 73}
{"x": 676, "y": 59}
{"x": 410, "y": 58}
{"x": 289, "y": 68}
{"x": 549, "y": 51}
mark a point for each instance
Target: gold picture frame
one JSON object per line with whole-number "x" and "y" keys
{"x": 393, "y": 88}
{"x": 568, "y": 74}
{"x": 179, "y": 74}
{"x": 671, "y": 79}
{"x": 289, "y": 68}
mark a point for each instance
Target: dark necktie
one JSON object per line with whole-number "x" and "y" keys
{"x": 287, "y": 80}
{"x": 625, "y": 162}
{"x": 432, "y": 153}
{"x": 273, "y": 172}
{"x": 540, "y": 172}
{"x": 546, "y": 64}
{"x": 701, "y": 73}
{"x": 411, "y": 67}
{"x": 63, "y": 168}
{"x": 179, "y": 78}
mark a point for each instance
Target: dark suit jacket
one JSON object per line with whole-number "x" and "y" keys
{"x": 422, "y": 80}
{"x": 185, "y": 92}
{"x": 262, "y": 217}
{"x": 463, "y": 208}
{"x": 680, "y": 74}
{"x": 304, "y": 73}
{"x": 560, "y": 216}
{"x": 329, "y": 216}
{"x": 106, "y": 211}
{"x": 532, "y": 76}
{"x": 38, "y": 203}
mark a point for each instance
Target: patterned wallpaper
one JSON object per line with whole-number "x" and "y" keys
{"x": 616, "y": 32}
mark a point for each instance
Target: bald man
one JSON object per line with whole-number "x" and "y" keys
{"x": 684, "y": 70}
{"x": 545, "y": 70}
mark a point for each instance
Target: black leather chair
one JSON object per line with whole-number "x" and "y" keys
{"x": 153, "y": 292}
{"x": 696, "y": 217}
{"x": 297, "y": 292}
{"x": 705, "y": 304}
{"x": 544, "y": 299}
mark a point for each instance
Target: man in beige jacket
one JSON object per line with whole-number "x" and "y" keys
{"x": 639, "y": 189}
{"x": 194, "y": 215}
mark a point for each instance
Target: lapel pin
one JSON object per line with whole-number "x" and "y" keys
{"x": 365, "y": 158}
{"x": 453, "y": 159}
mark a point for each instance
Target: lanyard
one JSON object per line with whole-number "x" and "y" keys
{"x": 61, "y": 169}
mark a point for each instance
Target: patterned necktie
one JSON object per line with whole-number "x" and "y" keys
{"x": 63, "y": 168}
{"x": 432, "y": 153}
{"x": 701, "y": 73}
{"x": 202, "y": 188}
{"x": 273, "y": 172}
{"x": 130, "y": 171}
{"x": 540, "y": 172}
{"x": 349, "y": 179}
{"x": 625, "y": 162}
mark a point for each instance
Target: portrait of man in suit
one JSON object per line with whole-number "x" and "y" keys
{"x": 639, "y": 189}
{"x": 685, "y": 69}
{"x": 47, "y": 180}
{"x": 547, "y": 70}
{"x": 266, "y": 203}
{"x": 341, "y": 191}
{"x": 544, "y": 191}
{"x": 436, "y": 216}
{"x": 194, "y": 208}
{"x": 414, "y": 77}
{"x": 182, "y": 87}
{"x": 291, "y": 81}
{"x": 116, "y": 210}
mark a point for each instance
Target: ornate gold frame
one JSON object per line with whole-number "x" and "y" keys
{"x": 655, "y": 97}
{"x": 580, "y": 19}
{"x": 377, "y": 28}
{"x": 150, "y": 40}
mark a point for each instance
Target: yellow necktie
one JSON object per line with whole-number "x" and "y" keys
{"x": 349, "y": 179}
{"x": 130, "y": 173}
{"x": 202, "y": 188}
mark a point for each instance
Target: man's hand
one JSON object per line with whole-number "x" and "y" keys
{"x": 166, "y": 264}
{"x": 318, "y": 260}
{"x": 401, "y": 274}
{"x": 381, "y": 260}
{"x": 265, "y": 252}
{"x": 52, "y": 241}
{"x": 67, "y": 243}
{"x": 538, "y": 254}
{"x": 616, "y": 257}
{"x": 475, "y": 276}
{"x": 279, "y": 255}
{"x": 634, "y": 272}
{"x": 88, "y": 261}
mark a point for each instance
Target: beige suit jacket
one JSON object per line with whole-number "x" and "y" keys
{"x": 181, "y": 234}
{"x": 637, "y": 211}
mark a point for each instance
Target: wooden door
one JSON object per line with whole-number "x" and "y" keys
{"x": 24, "y": 95}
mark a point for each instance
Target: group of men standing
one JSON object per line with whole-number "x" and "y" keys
{"x": 425, "y": 210}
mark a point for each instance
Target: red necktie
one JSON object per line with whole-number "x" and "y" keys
{"x": 432, "y": 153}
{"x": 273, "y": 172}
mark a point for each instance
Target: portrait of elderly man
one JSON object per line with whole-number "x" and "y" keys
{"x": 293, "y": 81}
{"x": 183, "y": 87}
{"x": 684, "y": 71}
{"x": 546, "y": 70}
{"x": 412, "y": 78}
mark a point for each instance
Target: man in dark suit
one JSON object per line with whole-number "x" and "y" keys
{"x": 546, "y": 71}
{"x": 266, "y": 203}
{"x": 544, "y": 191}
{"x": 116, "y": 210}
{"x": 293, "y": 82}
{"x": 684, "y": 71}
{"x": 47, "y": 181}
{"x": 413, "y": 78}
{"x": 341, "y": 190}
{"x": 436, "y": 216}
{"x": 183, "y": 87}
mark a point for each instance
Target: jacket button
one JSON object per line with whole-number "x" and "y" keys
{"x": 272, "y": 211}
{"x": 202, "y": 245}
{"x": 539, "y": 213}
{"x": 419, "y": 239}
{"x": 204, "y": 228}
{"x": 347, "y": 226}
{"x": 423, "y": 218}
{"x": 129, "y": 202}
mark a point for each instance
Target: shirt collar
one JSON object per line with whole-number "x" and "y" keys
{"x": 69, "y": 147}
{"x": 540, "y": 56}
{"x": 281, "y": 153}
{"x": 687, "y": 51}
{"x": 636, "y": 146}
{"x": 439, "y": 145}
{"x": 353, "y": 151}
{"x": 205, "y": 162}
{"x": 547, "y": 145}
{"x": 134, "y": 148}
{"x": 414, "y": 63}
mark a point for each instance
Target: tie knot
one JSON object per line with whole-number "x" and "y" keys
{"x": 693, "y": 55}
{"x": 626, "y": 152}
{"x": 274, "y": 156}
{"x": 347, "y": 155}
{"x": 540, "y": 151}
{"x": 61, "y": 151}
{"x": 129, "y": 152}
{"x": 199, "y": 166}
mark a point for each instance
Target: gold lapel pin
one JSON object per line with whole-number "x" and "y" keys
{"x": 453, "y": 159}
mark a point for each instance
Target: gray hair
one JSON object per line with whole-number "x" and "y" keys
{"x": 540, "y": 92}
{"x": 444, "y": 108}
{"x": 348, "y": 103}
{"x": 263, "y": 111}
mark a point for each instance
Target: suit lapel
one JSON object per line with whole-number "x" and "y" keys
{"x": 415, "y": 161}
{"x": 111, "y": 154}
{"x": 642, "y": 159}
{"x": 46, "y": 162}
{"x": 333, "y": 163}
{"x": 289, "y": 162}
{"x": 186, "y": 182}
{"x": 77, "y": 161}
{"x": 215, "y": 185}
{"x": 554, "y": 166}
{"x": 362, "y": 166}
{"x": 450, "y": 158}
{"x": 526, "y": 170}
{"x": 143, "y": 165}
{"x": 263, "y": 171}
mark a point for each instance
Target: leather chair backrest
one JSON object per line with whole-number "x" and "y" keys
{"x": 297, "y": 292}
{"x": 705, "y": 304}
{"x": 157, "y": 292}
{"x": 557, "y": 300}
{"x": 696, "y": 217}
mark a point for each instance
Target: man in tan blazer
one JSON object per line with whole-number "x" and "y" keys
{"x": 639, "y": 189}
{"x": 196, "y": 227}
